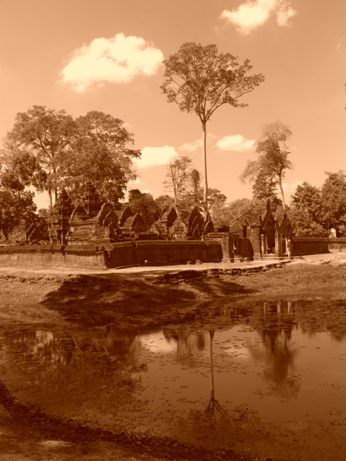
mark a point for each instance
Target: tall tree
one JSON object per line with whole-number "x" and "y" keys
{"x": 164, "y": 202}
{"x": 195, "y": 179}
{"x": 270, "y": 167}
{"x": 178, "y": 177}
{"x": 200, "y": 80}
{"x": 102, "y": 154}
{"x": 46, "y": 135}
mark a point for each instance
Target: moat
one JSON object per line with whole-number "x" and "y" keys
{"x": 271, "y": 383}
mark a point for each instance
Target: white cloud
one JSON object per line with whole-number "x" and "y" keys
{"x": 235, "y": 142}
{"x": 134, "y": 182}
{"x": 192, "y": 146}
{"x": 289, "y": 189}
{"x": 284, "y": 15}
{"x": 113, "y": 60}
{"x": 155, "y": 156}
{"x": 254, "y": 13}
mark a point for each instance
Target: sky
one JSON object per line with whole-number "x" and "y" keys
{"x": 106, "y": 55}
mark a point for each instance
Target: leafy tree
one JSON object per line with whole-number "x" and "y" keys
{"x": 164, "y": 202}
{"x": 102, "y": 154}
{"x": 264, "y": 187}
{"x": 178, "y": 177}
{"x": 50, "y": 150}
{"x": 246, "y": 211}
{"x": 17, "y": 211}
{"x": 195, "y": 179}
{"x": 200, "y": 80}
{"x": 308, "y": 198}
{"x": 334, "y": 202}
{"x": 270, "y": 168}
{"x": 185, "y": 183}
{"x": 44, "y": 135}
{"x": 304, "y": 225}
{"x": 146, "y": 204}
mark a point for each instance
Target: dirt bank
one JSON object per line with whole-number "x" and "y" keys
{"x": 157, "y": 297}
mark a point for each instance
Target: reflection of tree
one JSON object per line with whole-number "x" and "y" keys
{"x": 188, "y": 343}
{"x": 275, "y": 326}
{"x": 213, "y": 407}
{"x": 93, "y": 371}
{"x": 50, "y": 349}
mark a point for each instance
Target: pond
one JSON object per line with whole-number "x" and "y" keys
{"x": 275, "y": 374}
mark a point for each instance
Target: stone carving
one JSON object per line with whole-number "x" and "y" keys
{"x": 195, "y": 225}
{"x": 91, "y": 201}
{"x": 61, "y": 219}
{"x": 198, "y": 226}
{"x": 101, "y": 228}
{"x": 130, "y": 223}
{"x": 268, "y": 230}
{"x": 164, "y": 226}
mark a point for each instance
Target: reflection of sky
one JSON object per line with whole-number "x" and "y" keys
{"x": 302, "y": 377}
{"x": 158, "y": 343}
{"x": 271, "y": 365}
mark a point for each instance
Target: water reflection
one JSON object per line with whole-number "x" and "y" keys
{"x": 276, "y": 322}
{"x": 268, "y": 358}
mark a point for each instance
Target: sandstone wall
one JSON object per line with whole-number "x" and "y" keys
{"x": 118, "y": 254}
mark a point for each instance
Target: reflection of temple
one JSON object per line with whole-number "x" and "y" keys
{"x": 275, "y": 328}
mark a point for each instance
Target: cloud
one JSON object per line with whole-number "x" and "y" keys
{"x": 156, "y": 156}
{"x": 133, "y": 182}
{"x": 192, "y": 146}
{"x": 339, "y": 45}
{"x": 235, "y": 142}
{"x": 254, "y": 13}
{"x": 290, "y": 189}
{"x": 113, "y": 60}
{"x": 284, "y": 15}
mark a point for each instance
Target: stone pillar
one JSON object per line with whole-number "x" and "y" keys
{"x": 227, "y": 244}
{"x": 278, "y": 244}
{"x": 255, "y": 239}
{"x": 264, "y": 245}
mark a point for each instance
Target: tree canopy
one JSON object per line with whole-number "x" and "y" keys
{"x": 145, "y": 203}
{"x": 268, "y": 171}
{"x": 334, "y": 202}
{"x": 102, "y": 154}
{"x": 44, "y": 135}
{"x": 51, "y": 150}
{"x": 315, "y": 210}
{"x": 200, "y": 79}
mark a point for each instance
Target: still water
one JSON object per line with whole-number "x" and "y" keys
{"x": 282, "y": 361}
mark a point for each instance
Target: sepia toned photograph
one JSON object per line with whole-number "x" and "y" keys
{"x": 172, "y": 230}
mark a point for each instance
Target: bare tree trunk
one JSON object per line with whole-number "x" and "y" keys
{"x": 50, "y": 214}
{"x": 205, "y": 195}
{"x": 282, "y": 194}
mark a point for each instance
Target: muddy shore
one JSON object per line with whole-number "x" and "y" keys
{"x": 139, "y": 298}
{"x": 148, "y": 297}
